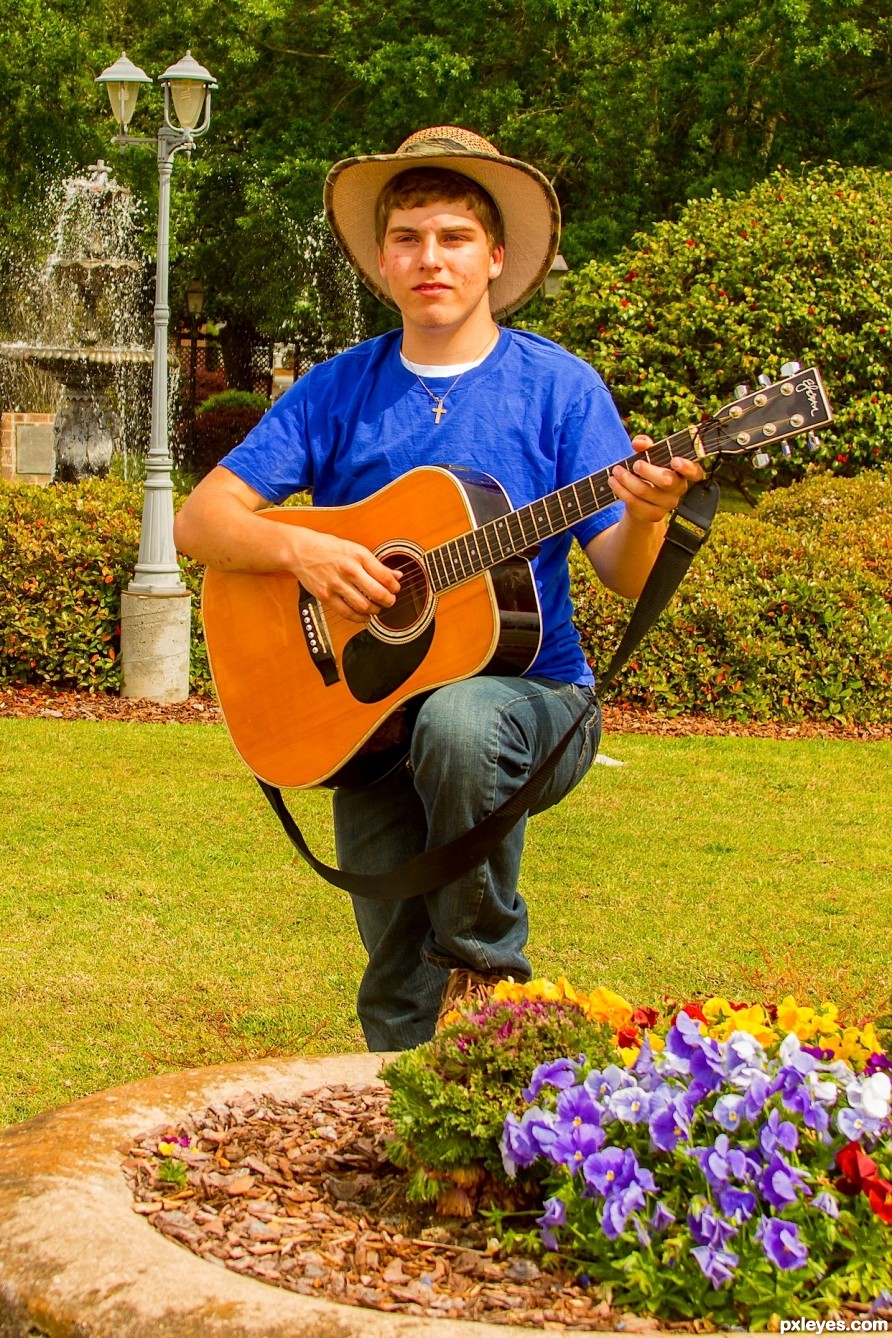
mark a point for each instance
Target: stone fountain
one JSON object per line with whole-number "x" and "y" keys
{"x": 89, "y": 319}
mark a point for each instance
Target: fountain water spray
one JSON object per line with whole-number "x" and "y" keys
{"x": 90, "y": 320}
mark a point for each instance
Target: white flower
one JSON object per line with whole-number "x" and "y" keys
{"x": 876, "y": 1096}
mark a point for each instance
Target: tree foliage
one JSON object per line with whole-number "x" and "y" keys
{"x": 800, "y": 268}
{"x": 631, "y": 106}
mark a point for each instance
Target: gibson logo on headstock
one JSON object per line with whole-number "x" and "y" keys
{"x": 809, "y": 388}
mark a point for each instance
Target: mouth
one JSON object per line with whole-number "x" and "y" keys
{"x": 430, "y": 289}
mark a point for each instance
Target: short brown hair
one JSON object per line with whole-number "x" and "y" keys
{"x": 422, "y": 185}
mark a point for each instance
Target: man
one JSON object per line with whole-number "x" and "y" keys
{"x": 452, "y": 234}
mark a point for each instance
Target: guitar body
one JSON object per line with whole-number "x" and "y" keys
{"x": 312, "y": 700}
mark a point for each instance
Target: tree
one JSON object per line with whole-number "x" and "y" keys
{"x": 799, "y": 267}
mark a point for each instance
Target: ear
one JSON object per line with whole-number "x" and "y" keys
{"x": 496, "y": 262}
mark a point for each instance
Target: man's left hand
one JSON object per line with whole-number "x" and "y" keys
{"x": 649, "y": 491}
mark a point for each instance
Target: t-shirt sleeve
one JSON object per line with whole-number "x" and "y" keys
{"x": 592, "y": 440}
{"x": 275, "y": 457}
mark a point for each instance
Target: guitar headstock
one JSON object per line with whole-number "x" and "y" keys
{"x": 774, "y": 412}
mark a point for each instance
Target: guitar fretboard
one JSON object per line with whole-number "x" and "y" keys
{"x": 461, "y": 559}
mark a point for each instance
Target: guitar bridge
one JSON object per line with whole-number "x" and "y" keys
{"x": 312, "y": 621}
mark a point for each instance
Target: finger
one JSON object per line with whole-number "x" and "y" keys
{"x": 642, "y": 442}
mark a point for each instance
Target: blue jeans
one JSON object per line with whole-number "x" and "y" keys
{"x": 474, "y": 744}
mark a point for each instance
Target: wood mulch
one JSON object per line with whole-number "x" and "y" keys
{"x": 301, "y": 1194}
{"x": 53, "y": 703}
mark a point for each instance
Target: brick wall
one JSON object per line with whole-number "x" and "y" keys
{"x": 26, "y": 447}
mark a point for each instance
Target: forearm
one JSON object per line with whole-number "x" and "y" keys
{"x": 219, "y": 524}
{"x": 226, "y": 531}
{"x": 624, "y": 554}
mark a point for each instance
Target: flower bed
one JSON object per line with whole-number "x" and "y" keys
{"x": 716, "y": 1160}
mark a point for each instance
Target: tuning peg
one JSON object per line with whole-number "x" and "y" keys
{"x": 812, "y": 441}
{"x": 741, "y": 390}
{"x": 791, "y": 368}
{"x": 764, "y": 379}
{"x": 761, "y": 459}
{"x": 786, "y": 450}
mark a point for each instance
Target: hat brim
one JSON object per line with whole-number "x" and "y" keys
{"x": 524, "y": 197}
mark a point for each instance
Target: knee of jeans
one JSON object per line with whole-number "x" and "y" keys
{"x": 446, "y": 731}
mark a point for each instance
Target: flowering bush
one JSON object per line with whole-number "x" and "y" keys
{"x": 450, "y": 1097}
{"x": 714, "y": 1159}
{"x": 731, "y": 1170}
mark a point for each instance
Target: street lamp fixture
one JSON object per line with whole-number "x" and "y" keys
{"x": 187, "y": 114}
{"x": 195, "y": 297}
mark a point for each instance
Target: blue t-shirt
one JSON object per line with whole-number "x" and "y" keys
{"x": 532, "y": 415}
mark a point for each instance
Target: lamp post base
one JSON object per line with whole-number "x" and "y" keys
{"x": 155, "y": 645}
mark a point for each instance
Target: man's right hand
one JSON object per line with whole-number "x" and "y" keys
{"x": 347, "y": 578}
{"x": 218, "y": 524}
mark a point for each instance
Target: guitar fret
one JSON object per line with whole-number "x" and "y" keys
{"x": 523, "y": 515}
{"x": 467, "y": 561}
{"x": 435, "y": 570}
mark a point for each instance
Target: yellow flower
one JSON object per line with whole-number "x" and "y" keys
{"x": 605, "y": 1006}
{"x": 727, "y": 1020}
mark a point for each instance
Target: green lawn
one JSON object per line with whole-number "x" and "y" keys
{"x": 154, "y": 918}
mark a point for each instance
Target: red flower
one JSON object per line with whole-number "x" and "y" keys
{"x": 646, "y": 1017}
{"x": 843, "y": 459}
{"x": 879, "y": 1196}
{"x": 628, "y": 1037}
{"x": 695, "y": 1011}
{"x": 856, "y": 1167}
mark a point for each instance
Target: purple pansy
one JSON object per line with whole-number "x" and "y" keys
{"x": 717, "y": 1266}
{"x": 782, "y": 1183}
{"x": 525, "y": 1139}
{"x": 574, "y": 1143}
{"x": 555, "y": 1215}
{"x": 776, "y": 1133}
{"x": 721, "y": 1163}
{"x": 781, "y": 1243}
{"x": 558, "y": 1073}
{"x": 707, "y": 1228}
{"x": 630, "y": 1105}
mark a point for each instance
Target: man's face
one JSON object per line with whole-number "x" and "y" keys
{"x": 438, "y": 264}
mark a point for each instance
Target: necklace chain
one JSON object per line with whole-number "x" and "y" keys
{"x": 438, "y": 409}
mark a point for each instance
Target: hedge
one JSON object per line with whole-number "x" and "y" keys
{"x": 66, "y": 552}
{"x": 798, "y": 268}
{"x": 785, "y": 615}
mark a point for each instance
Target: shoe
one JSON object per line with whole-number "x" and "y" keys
{"x": 465, "y": 989}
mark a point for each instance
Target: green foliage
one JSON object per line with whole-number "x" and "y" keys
{"x": 800, "y": 267}
{"x": 233, "y": 399}
{"x": 66, "y": 552}
{"x": 450, "y": 1096}
{"x": 785, "y": 615}
{"x": 220, "y": 428}
{"x": 170, "y": 1171}
{"x": 710, "y": 96}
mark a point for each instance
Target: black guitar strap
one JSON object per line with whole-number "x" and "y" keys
{"x": 687, "y": 531}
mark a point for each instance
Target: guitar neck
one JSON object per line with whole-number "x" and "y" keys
{"x": 478, "y": 550}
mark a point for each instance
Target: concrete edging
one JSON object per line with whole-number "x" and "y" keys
{"x": 77, "y": 1262}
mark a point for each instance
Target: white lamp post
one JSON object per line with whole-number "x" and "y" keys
{"x": 155, "y": 607}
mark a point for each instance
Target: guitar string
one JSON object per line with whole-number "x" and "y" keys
{"x": 419, "y": 584}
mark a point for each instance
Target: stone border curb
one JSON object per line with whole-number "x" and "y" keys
{"x": 77, "y": 1262}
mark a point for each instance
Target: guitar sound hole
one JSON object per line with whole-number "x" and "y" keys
{"x": 412, "y": 600}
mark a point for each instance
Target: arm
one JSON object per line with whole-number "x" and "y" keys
{"x": 219, "y": 524}
{"x": 624, "y": 554}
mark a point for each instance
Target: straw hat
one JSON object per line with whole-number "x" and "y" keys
{"x": 525, "y": 199}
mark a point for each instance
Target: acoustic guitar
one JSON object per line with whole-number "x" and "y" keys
{"x": 312, "y": 699}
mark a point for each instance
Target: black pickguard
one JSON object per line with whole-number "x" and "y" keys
{"x": 373, "y": 668}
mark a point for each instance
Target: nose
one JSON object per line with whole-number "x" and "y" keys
{"x": 430, "y": 251}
